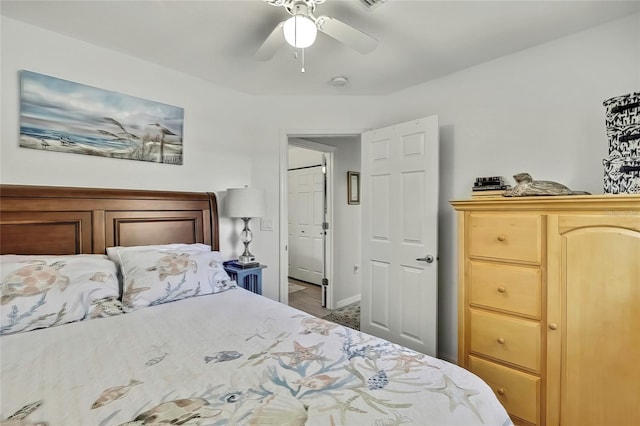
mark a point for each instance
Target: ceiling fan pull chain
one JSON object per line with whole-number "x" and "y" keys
{"x": 295, "y": 55}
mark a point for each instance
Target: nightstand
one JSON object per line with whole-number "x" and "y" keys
{"x": 247, "y": 278}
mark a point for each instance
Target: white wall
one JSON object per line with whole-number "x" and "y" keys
{"x": 216, "y": 142}
{"x": 301, "y": 157}
{"x": 539, "y": 110}
{"x": 227, "y": 137}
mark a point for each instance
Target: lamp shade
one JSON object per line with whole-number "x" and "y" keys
{"x": 246, "y": 202}
{"x": 300, "y": 31}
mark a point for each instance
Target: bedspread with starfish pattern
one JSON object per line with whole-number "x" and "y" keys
{"x": 230, "y": 358}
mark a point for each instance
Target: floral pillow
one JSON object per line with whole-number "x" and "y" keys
{"x": 153, "y": 277}
{"x": 114, "y": 252}
{"x": 45, "y": 291}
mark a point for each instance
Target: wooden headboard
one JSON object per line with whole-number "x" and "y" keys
{"x": 61, "y": 220}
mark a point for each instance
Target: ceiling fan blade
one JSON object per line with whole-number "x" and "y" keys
{"x": 346, "y": 34}
{"x": 271, "y": 44}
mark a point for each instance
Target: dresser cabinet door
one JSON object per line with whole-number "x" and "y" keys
{"x": 593, "y": 320}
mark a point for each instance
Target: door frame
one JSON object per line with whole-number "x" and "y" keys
{"x": 285, "y": 135}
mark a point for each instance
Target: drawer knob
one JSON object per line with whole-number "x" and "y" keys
{"x": 501, "y": 391}
{"x": 501, "y": 238}
{"x": 501, "y": 340}
{"x": 502, "y": 289}
{"x": 553, "y": 326}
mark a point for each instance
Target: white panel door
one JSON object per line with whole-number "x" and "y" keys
{"x": 306, "y": 214}
{"x": 399, "y": 199}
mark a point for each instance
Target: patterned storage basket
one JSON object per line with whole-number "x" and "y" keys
{"x": 623, "y": 110}
{"x": 624, "y": 141}
{"x": 622, "y": 175}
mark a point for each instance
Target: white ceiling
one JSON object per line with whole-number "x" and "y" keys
{"x": 418, "y": 40}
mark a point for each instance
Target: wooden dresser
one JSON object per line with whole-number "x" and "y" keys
{"x": 549, "y": 306}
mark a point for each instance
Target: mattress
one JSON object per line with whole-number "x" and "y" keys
{"x": 230, "y": 358}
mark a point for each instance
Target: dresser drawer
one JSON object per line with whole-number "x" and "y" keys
{"x": 508, "y": 288}
{"x": 506, "y": 237}
{"x": 519, "y": 392}
{"x": 506, "y": 338}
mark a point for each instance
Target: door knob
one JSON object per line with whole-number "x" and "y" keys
{"x": 428, "y": 258}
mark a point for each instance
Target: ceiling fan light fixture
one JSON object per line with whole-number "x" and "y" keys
{"x": 300, "y": 31}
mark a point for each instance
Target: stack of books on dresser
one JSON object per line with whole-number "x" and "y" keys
{"x": 489, "y": 186}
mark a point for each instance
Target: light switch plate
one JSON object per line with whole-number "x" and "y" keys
{"x": 266, "y": 224}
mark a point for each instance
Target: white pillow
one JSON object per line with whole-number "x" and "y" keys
{"x": 44, "y": 291}
{"x": 153, "y": 277}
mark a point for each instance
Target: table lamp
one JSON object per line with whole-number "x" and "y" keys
{"x": 246, "y": 203}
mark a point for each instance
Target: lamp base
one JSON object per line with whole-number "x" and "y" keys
{"x": 247, "y": 259}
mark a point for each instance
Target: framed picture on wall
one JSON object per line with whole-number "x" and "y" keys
{"x": 64, "y": 116}
{"x": 353, "y": 187}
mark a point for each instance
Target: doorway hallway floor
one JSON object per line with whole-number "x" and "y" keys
{"x": 307, "y": 300}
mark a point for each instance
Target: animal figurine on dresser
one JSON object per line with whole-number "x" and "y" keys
{"x": 526, "y": 186}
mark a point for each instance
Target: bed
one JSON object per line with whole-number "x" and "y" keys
{"x": 216, "y": 355}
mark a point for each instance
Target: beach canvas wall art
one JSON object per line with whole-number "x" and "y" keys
{"x": 60, "y": 115}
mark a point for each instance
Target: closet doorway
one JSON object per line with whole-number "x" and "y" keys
{"x": 343, "y": 237}
{"x": 308, "y": 200}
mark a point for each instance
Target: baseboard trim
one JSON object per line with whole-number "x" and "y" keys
{"x": 348, "y": 301}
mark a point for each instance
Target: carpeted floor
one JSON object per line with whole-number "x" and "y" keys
{"x": 349, "y": 316}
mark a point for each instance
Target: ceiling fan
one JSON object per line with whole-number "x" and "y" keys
{"x": 301, "y": 28}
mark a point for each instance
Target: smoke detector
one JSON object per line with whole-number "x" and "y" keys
{"x": 372, "y": 4}
{"x": 339, "y": 81}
